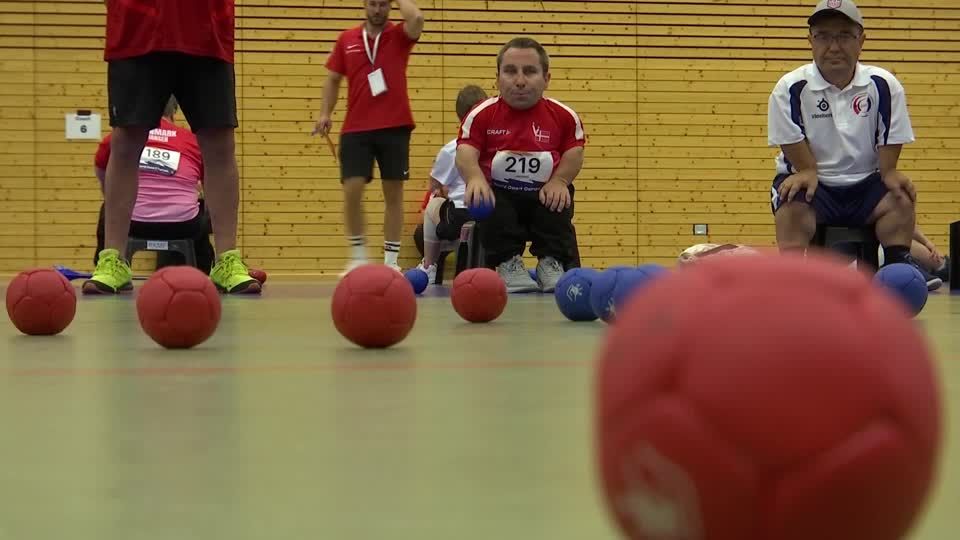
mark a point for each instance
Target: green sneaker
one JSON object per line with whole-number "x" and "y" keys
{"x": 111, "y": 276}
{"x": 230, "y": 275}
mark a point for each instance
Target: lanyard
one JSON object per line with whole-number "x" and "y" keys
{"x": 376, "y": 45}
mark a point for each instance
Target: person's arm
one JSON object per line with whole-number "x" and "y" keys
{"x": 569, "y": 167}
{"x": 412, "y": 18}
{"x": 896, "y": 181}
{"x": 331, "y": 92}
{"x": 101, "y": 176}
{"x": 478, "y": 190}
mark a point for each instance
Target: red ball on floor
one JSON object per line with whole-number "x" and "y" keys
{"x": 258, "y": 275}
{"x": 479, "y": 295}
{"x": 374, "y": 306}
{"x": 41, "y": 302}
{"x": 766, "y": 397}
{"x": 178, "y": 307}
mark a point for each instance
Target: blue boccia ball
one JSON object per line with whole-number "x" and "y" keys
{"x": 573, "y": 294}
{"x": 418, "y": 279}
{"x": 602, "y": 290}
{"x": 906, "y": 282}
{"x": 480, "y": 210}
{"x": 631, "y": 282}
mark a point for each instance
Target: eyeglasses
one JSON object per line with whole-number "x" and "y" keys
{"x": 843, "y": 38}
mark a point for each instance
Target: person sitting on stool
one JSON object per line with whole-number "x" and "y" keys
{"x": 167, "y": 207}
{"x": 840, "y": 126}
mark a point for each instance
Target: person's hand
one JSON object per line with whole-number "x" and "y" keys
{"x": 803, "y": 180}
{"x": 437, "y": 189}
{"x": 323, "y": 125}
{"x": 555, "y": 195}
{"x": 478, "y": 193}
{"x": 934, "y": 253}
{"x": 900, "y": 185}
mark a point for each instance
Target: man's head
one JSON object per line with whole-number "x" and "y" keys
{"x": 523, "y": 72}
{"x": 378, "y": 12}
{"x": 468, "y": 97}
{"x": 171, "y": 108}
{"x": 836, "y": 37}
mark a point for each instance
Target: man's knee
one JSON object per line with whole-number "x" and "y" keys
{"x": 898, "y": 208}
{"x": 217, "y": 145}
{"x": 796, "y": 223}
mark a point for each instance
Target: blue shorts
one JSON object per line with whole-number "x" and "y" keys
{"x": 844, "y": 206}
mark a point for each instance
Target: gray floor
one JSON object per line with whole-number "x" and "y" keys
{"x": 277, "y": 428}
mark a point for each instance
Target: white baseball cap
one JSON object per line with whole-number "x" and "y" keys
{"x": 844, "y": 7}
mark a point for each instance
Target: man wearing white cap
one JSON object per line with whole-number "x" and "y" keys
{"x": 840, "y": 126}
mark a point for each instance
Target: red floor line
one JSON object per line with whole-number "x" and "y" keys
{"x": 297, "y": 368}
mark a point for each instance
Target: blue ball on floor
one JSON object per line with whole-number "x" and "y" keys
{"x": 480, "y": 211}
{"x": 573, "y": 294}
{"x": 630, "y": 282}
{"x": 601, "y": 292}
{"x": 418, "y": 279}
{"x": 906, "y": 282}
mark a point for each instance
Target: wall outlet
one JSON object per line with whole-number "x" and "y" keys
{"x": 700, "y": 229}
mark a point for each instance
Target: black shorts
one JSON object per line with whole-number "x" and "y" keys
{"x": 140, "y": 87}
{"x": 452, "y": 219}
{"x": 390, "y": 147}
{"x": 847, "y": 206}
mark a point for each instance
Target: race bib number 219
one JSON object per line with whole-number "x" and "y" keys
{"x": 522, "y": 167}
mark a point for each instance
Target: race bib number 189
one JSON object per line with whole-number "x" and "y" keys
{"x": 522, "y": 167}
{"x": 157, "y": 160}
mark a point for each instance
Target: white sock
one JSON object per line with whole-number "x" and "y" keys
{"x": 390, "y": 252}
{"x": 358, "y": 247}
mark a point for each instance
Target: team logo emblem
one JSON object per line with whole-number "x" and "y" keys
{"x": 834, "y": 4}
{"x": 541, "y": 135}
{"x": 862, "y": 104}
{"x": 661, "y": 501}
{"x": 823, "y": 105}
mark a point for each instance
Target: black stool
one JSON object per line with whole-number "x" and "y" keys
{"x": 183, "y": 246}
{"x": 864, "y": 238}
{"x": 469, "y": 252}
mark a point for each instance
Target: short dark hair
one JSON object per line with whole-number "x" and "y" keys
{"x": 468, "y": 97}
{"x": 525, "y": 43}
{"x": 171, "y": 107}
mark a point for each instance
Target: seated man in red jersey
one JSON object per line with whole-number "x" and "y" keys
{"x": 170, "y": 177}
{"x": 521, "y": 152}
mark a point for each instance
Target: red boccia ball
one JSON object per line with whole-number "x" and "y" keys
{"x": 179, "y": 307}
{"x": 41, "y": 302}
{"x": 766, "y": 398}
{"x": 479, "y": 295}
{"x": 374, "y": 306}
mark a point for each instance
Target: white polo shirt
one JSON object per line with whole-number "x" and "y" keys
{"x": 845, "y": 127}
{"x": 445, "y": 171}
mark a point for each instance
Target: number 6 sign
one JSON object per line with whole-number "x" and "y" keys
{"x": 82, "y": 125}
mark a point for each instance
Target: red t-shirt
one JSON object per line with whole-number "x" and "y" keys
{"x": 171, "y": 169}
{"x": 349, "y": 58}
{"x": 519, "y": 150}
{"x": 195, "y": 27}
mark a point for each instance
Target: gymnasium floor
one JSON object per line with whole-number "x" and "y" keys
{"x": 277, "y": 428}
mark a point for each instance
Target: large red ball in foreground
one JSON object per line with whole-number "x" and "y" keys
{"x": 766, "y": 398}
{"x": 41, "y": 302}
{"x": 479, "y": 295}
{"x": 374, "y": 306}
{"x": 179, "y": 307}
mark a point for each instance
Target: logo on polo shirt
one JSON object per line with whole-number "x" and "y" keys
{"x": 824, "y": 107}
{"x": 862, "y": 104}
{"x": 834, "y": 4}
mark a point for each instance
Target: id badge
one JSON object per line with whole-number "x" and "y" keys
{"x": 377, "y": 83}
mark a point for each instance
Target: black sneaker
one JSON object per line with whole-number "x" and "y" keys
{"x": 933, "y": 282}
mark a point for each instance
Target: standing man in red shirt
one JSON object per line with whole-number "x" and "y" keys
{"x": 521, "y": 152}
{"x": 373, "y": 57}
{"x": 154, "y": 50}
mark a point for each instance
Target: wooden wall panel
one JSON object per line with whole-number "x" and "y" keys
{"x": 673, "y": 96}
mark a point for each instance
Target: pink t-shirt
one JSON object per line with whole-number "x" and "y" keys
{"x": 171, "y": 171}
